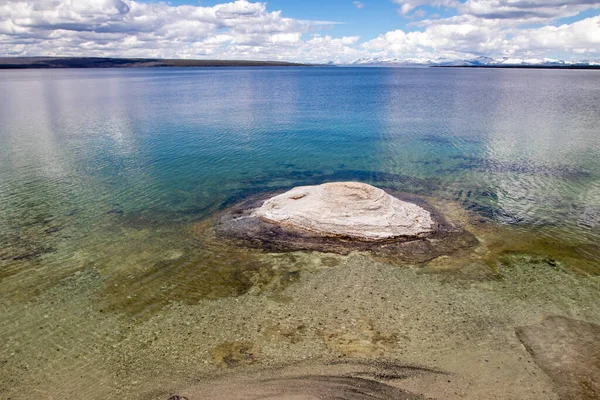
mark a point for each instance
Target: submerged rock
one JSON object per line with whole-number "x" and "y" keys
{"x": 341, "y": 380}
{"x": 346, "y": 209}
{"x": 341, "y": 217}
{"x": 568, "y": 351}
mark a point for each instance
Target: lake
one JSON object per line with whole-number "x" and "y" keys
{"x": 112, "y": 284}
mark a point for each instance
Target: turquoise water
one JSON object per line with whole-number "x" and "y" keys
{"x": 519, "y": 147}
{"x": 110, "y": 170}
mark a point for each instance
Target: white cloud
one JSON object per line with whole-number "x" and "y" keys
{"x": 581, "y": 37}
{"x": 358, "y": 4}
{"x": 525, "y": 9}
{"x": 469, "y": 36}
{"x": 493, "y": 28}
{"x": 242, "y": 29}
{"x": 406, "y": 6}
{"x": 463, "y": 38}
{"x": 129, "y": 28}
{"x": 518, "y": 10}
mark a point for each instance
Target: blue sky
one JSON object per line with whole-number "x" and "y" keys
{"x": 339, "y": 31}
{"x": 374, "y": 18}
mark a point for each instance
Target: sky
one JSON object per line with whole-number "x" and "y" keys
{"x": 316, "y": 31}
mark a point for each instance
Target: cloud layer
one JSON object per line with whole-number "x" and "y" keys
{"x": 247, "y": 30}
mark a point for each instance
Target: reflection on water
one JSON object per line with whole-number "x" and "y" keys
{"x": 109, "y": 180}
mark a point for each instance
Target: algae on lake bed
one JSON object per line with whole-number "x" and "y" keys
{"x": 202, "y": 307}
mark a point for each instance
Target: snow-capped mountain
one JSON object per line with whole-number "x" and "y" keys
{"x": 391, "y": 61}
{"x": 474, "y": 62}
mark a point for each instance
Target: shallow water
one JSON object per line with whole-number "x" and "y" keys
{"x": 109, "y": 180}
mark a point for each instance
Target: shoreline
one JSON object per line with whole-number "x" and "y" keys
{"x": 109, "y": 62}
{"x": 326, "y": 315}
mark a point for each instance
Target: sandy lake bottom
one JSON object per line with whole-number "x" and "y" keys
{"x": 141, "y": 328}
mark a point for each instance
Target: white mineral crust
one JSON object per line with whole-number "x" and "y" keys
{"x": 350, "y": 209}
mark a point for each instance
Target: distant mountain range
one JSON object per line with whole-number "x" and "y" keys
{"x": 105, "y": 62}
{"x": 504, "y": 62}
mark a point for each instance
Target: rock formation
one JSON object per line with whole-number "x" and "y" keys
{"x": 353, "y": 380}
{"x": 346, "y": 209}
{"x": 568, "y": 350}
{"x": 341, "y": 217}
